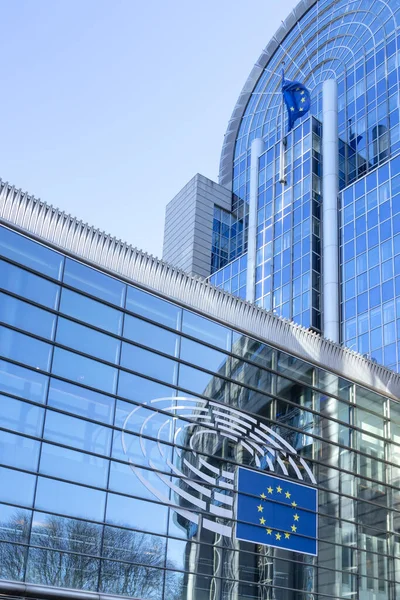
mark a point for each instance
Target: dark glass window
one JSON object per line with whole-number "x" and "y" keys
{"x": 90, "y": 311}
{"x": 23, "y": 382}
{"x": 93, "y": 282}
{"x": 153, "y": 308}
{"x": 87, "y": 340}
{"x": 29, "y": 286}
{"x": 148, "y": 363}
{"x": 31, "y": 254}
{"x": 80, "y": 369}
{"x": 24, "y": 349}
{"x": 80, "y": 401}
{"x": 150, "y": 335}
{"x": 69, "y": 499}
{"x": 25, "y": 316}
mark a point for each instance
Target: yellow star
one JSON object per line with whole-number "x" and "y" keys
{"x": 262, "y": 521}
{"x": 297, "y": 89}
{"x": 260, "y": 508}
{"x": 294, "y": 504}
{"x": 278, "y": 536}
{"x": 279, "y": 489}
{"x": 292, "y": 108}
{"x": 269, "y": 531}
{"x": 303, "y": 99}
{"x": 302, "y": 92}
{"x": 270, "y": 490}
{"x": 296, "y": 517}
{"x": 301, "y": 108}
{"x": 294, "y": 528}
{"x": 263, "y": 496}
{"x": 287, "y": 495}
{"x": 287, "y": 535}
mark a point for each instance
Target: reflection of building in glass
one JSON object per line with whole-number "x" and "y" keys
{"x": 264, "y": 241}
{"x": 131, "y": 393}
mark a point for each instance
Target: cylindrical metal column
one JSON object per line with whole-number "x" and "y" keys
{"x": 330, "y": 231}
{"x": 257, "y": 148}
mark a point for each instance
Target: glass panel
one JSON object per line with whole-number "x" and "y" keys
{"x": 80, "y": 401}
{"x": 15, "y": 523}
{"x": 132, "y": 580}
{"x": 150, "y": 335}
{"x": 140, "y": 389}
{"x": 25, "y": 316}
{"x": 24, "y": 349}
{"x": 29, "y": 286}
{"x": 61, "y": 533}
{"x": 84, "y": 370}
{"x": 23, "y": 382}
{"x": 137, "y": 514}
{"x": 69, "y": 499}
{"x": 151, "y": 307}
{"x": 90, "y": 311}
{"x": 206, "y": 330}
{"x": 148, "y": 363}
{"x": 30, "y": 253}
{"x": 18, "y": 451}
{"x": 252, "y": 350}
{"x": 16, "y": 487}
{"x": 93, "y": 282}
{"x": 12, "y": 561}
{"x": 47, "y": 567}
{"x": 205, "y": 357}
{"x": 199, "y": 382}
{"x": 77, "y": 433}
{"x": 87, "y": 340}
{"x": 20, "y": 416}
{"x": 73, "y": 465}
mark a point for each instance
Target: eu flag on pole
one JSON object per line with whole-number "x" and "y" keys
{"x": 276, "y": 512}
{"x": 297, "y": 99}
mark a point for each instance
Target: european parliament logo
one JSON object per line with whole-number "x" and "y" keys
{"x": 276, "y": 512}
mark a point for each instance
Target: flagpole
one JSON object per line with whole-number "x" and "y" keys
{"x": 282, "y": 178}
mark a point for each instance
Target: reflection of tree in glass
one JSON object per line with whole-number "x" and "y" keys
{"x": 66, "y": 553}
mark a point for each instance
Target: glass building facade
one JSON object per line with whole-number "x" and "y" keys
{"x": 124, "y": 417}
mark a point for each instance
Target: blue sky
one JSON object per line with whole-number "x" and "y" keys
{"x": 110, "y": 106}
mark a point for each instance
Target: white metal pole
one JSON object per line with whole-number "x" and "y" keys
{"x": 330, "y": 228}
{"x": 257, "y": 148}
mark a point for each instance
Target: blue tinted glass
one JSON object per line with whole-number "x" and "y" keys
{"x": 84, "y": 370}
{"x": 20, "y": 416}
{"x": 69, "y": 499}
{"x": 73, "y": 465}
{"x": 205, "y": 357}
{"x": 93, "y": 282}
{"x": 78, "y": 400}
{"x": 24, "y": 349}
{"x": 150, "y": 335}
{"x": 153, "y": 308}
{"x": 18, "y": 451}
{"x": 77, "y": 433}
{"x": 31, "y": 254}
{"x": 148, "y": 363}
{"x": 130, "y": 512}
{"x": 22, "y": 382}
{"x": 16, "y": 487}
{"x": 87, "y": 340}
{"x": 25, "y": 316}
{"x": 206, "y": 330}
{"x": 29, "y": 286}
{"x": 90, "y": 311}
{"x": 140, "y": 389}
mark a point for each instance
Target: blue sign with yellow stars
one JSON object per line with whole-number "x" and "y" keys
{"x": 276, "y": 512}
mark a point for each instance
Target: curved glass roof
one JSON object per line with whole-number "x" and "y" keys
{"x": 327, "y": 38}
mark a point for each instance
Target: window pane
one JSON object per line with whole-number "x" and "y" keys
{"x": 18, "y": 451}
{"x": 20, "y": 416}
{"x": 84, "y": 370}
{"x": 199, "y": 382}
{"x": 153, "y": 308}
{"x": 16, "y": 487}
{"x": 62, "y": 533}
{"x": 148, "y": 363}
{"x": 206, "y": 330}
{"x": 137, "y": 514}
{"x": 87, "y": 340}
{"x": 25, "y": 316}
{"x": 15, "y": 523}
{"x": 205, "y": 357}
{"x": 28, "y": 285}
{"x": 23, "y": 382}
{"x": 150, "y": 335}
{"x": 90, "y": 311}
{"x": 140, "y": 389}
{"x": 47, "y": 567}
{"x": 69, "y": 499}
{"x": 29, "y": 253}
{"x": 80, "y": 401}
{"x": 12, "y": 561}
{"x": 24, "y": 349}
{"x": 127, "y": 579}
{"x": 77, "y": 433}
{"x": 73, "y": 465}
{"x": 93, "y": 282}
